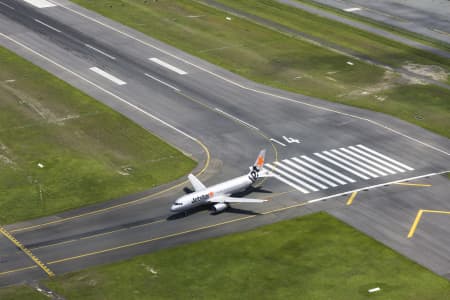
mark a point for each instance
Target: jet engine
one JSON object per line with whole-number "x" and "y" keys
{"x": 216, "y": 208}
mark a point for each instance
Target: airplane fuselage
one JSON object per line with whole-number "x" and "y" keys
{"x": 203, "y": 197}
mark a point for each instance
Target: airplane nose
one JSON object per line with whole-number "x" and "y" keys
{"x": 173, "y": 208}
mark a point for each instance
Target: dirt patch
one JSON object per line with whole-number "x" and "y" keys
{"x": 434, "y": 72}
{"x": 4, "y": 153}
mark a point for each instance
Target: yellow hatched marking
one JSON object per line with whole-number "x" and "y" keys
{"x": 351, "y": 198}
{"x": 419, "y": 216}
{"x": 27, "y": 252}
{"x": 413, "y": 184}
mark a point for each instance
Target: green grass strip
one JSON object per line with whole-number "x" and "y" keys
{"x": 313, "y": 257}
{"x": 61, "y": 149}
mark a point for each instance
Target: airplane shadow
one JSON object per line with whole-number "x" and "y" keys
{"x": 250, "y": 190}
{"x": 196, "y": 210}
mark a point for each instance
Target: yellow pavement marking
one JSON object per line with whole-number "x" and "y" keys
{"x": 351, "y": 198}
{"x": 18, "y": 270}
{"x": 27, "y": 252}
{"x": 419, "y": 216}
{"x": 413, "y": 184}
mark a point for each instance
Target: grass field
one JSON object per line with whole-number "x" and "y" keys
{"x": 313, "y": 257}
{"x": 19, "y": 293}
{"x": 272, "y": 58}
{"x": 88, "y": 153}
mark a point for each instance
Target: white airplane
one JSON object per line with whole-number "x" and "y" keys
{"x": 220, "y": 193}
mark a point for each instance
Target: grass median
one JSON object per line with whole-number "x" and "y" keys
{"x": 270, "y": 57}
{"x": 61, "y": 149}
{"x": 313, "y": 257}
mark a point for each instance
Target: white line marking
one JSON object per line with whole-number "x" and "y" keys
{"x": 289, "y": 183}
{"x": 350, "y": 164}
{"x": 329, "y": 170}
{"x": 168, "y": 66}
{"x": 278, "y": 142}
{"x": 100, "y": 88}
{"x": 292, "y": 171}
{"x": 318, "y": 170}
{"x": 48, "y": 26}
{"x": 160, "y": 81}
{"x": 341, "y": 166}
{"x": 108, "y": 76}
{"x": 100, "y": 51}
{"x": 357, "y": 162}
{"x": 377, "y": 159}
{"x": 236, "y": 119}
{"x": 385, "y": 157}
{"x": 367, "y": 160}
{"x": 40, "y": 3}
{"x": 326, "y": 181}
{"x": 254, "y": 90}
{"x": 8, "y": 6}
{"x": 290, "y": 177}
{"x": 351, "y": 9}
{"x": 376, "y": 186}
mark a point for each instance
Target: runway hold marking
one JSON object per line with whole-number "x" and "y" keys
{"x": 8, "y": 6}
{"x": 419, "y": 215}
{"x": 236, "y": 119}
{"x": 48, "y": 26}
{"x": 27, "y": 252}
{"x": 351, "y": 198}
{"x": 40, "y": 3}
{"x": 108, "y": 76}
{"x": 168, "y": 66}
{"x": 352, "y": 9}
{"x": 160, "y": 81}
{"x": 100, "y": 51}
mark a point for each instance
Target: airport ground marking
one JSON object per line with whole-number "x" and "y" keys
{"x": 223, "y": 223}
{"x": 351, "y": 198}
{"x": 376, "y": 123}
{"x": 419, "y": 216}
{"x": 8, "y": 6}
{"x": 25, "y": 250}
{"x": 18, "y": 270}
{"x": 100, "y": 51}
{"x": 48, "y": 26}
{"x": 414, "y": 184}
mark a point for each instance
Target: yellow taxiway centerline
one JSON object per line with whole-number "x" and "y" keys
{"x": 413, "y": 184}
{"x": 27, "y": 252}
{"x": 351, "y": 198}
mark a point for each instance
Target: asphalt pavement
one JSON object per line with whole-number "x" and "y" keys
{"x": 320, "y": 152}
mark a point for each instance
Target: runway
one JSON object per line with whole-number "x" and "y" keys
{"x": 321, "y": 152}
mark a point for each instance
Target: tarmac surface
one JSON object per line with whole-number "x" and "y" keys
{"x": 425, "y": 17}
{"x": 320, "y": 152}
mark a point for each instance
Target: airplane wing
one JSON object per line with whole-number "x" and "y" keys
{"x": 197, "y": 184}
{"x": 227, "y": 199}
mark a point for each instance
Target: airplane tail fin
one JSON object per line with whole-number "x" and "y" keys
{"x": 259, "y": 163}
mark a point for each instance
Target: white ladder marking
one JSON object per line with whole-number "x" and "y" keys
{"x": 289, "y": 183}
{"x": 367, "y": 160}
{"x": 318, "y": 184}
{"x": 357, "y": 162}
{"x": 341, "y": 166}
{"x": 328, "y": 169}
{"x": 330, "y": 183}
{"x": 284, "y": 174}
{"x": 168, "y": 66}
{"x": 377, "y": 159}
{"x": 386, "y": 158}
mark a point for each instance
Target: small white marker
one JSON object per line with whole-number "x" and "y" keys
{"x": 352, "y": 9}
{"x": 168, "y": 66}
{"x": 107, "y": 76}
{"x": 350, "y": 63}
{"x": 228, "y": 18}
{"x": 48, "y": 26}
{"x": 100, "y": 51}
{"x": 40, "y": 165}
{"x": 374, "y": 290}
